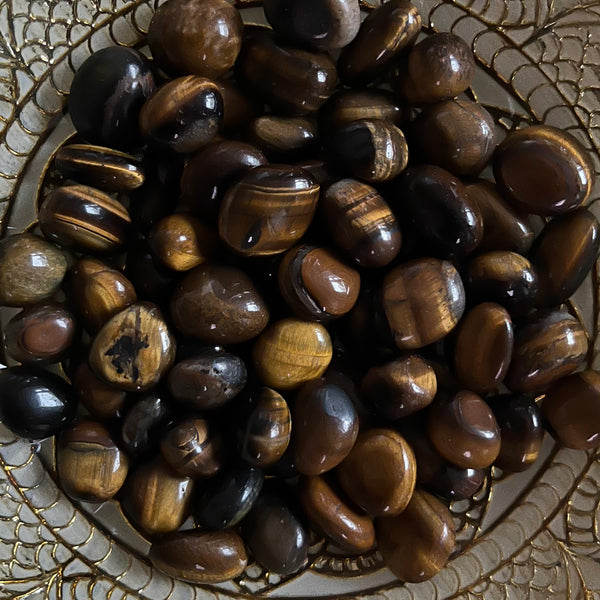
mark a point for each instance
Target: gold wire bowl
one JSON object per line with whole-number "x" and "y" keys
{"x": 533, "y": 535}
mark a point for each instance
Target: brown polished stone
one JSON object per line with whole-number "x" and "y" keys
{"x": 269, "y": 210}
{"x": 547, "y": 347}
{"x": 219, "y": 305}
{"x": 283, "y": 138}
{"x": 423, "y": 300}
{"x": 200, "y": 556}
{"x": 239, "y": 108}
{"x": 464, "y": 431}
{"x": 417, "y": 543}
{"x": 572, "y": 407}
{"x": 330, "y": 515}
{"x": 380, "y": 472}
{"x": 483, "y": 347}
{"x": 543, "y": 170}
{"x": 102, "y": 400}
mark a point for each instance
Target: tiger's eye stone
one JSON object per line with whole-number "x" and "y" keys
{"x": 218, "y": 305}
{"x": 291, "y": 352}
{"x": 325, "y": 427}
{"x": 84, "y": 218}
{"x": 383, "y": 35}
{"x": 423, "y": 301}
{"x": 202, "y": 37}
{"x": 276, "y": 534}
{"x": 238, "y": 107}
{"x": 283, "y": 138}
{"x": 314, "y": 23}
{"x": 227, "y": 498}
{"x": 543, "y": 170}
{"x": 106, "y": 96}
{"x": 103, "y": 401}
{"x": 440, "y": 66}
{"x": 503, "y": 277}
{"x": 483, "y": 347}
{"x": 151, "y": 280}
{"x": 504, "y": 228}
{"x": 183, "y": 115}
{"x": 134, "y": 349}
{"x": 41, "y": 333}
{"x": 458, "y": 135}
{"x": 463, "y": 429}
{"x": 194, "y": 448}
{"x": 100, "y": 167}
{"x": 31, "y": 269}
{"x": 329, "y": 514}
{"x": 521, "y": 429}
{"x": 548, "y": 347}
{"x": 156, "y": 499}
{"x": 200, "y": 556}
{"x": 417, "y": 543}
{"x": 207, "y": 380}
{"x": 380, "y": 472}
{"x": 181, "y": 242}
{"x": 264, "y": 433}
{"x": 35, "y": 404}
{"x": 90, "y": 465}
{"x": 269, "y": 210}
{"x": 316, "y": 284}
{"x": 361, "y": 223}
{"x": 572, "y": 407}
{"x": 143, "y": 425}
{"x": 291, "y": 81}
{"x": 439, "y": 210}
{"x": 210, "y": 172}
{"x": 99, "y": 291}
{"x": 372, "y": 150}
{"x": 401, "y": 387}
{"x": 564, "y": 253}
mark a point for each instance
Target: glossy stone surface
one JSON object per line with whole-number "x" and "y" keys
{"x": 40, "y": 333}
{"x": 31, "y": 269}
{"x": 521, "y": 428}
{"x": 84, "y": 218}
{"x": 99, "y": 292}
{"x": 151, "y": 280}
{"x": 265, "y": 429}
{"x": 291, "y": 352}
{"x": 463, "y": 429}
{"x": 90, "y": 465}
{"x": 202, "y": 37}
{"x": 134, "y": 349}
{"x": 458, "y": 135}
{"x": 483, "y": 347}
{"x": 106, "y": 96}
{"x": 103, "y": 401}
{"x": 227, "y": 498}
{"x": 572, "y": 407}
{"x": 543, "y": 170}
{"x": 354, "y": 533}
{"x": 100, "y": 167}
{"x": 313, "y": 23}
{"x": 438, "y": 208}
{"x": 183, "y": 115}
{"x": 283, "y": 138}
{"x": 207, "y": 380}
{"x": 401, "y": 387}
{"x": 316, "y": 284}
{"x": 361, "y": 223}
{"x": 269, "y": 210}
{"x": 35, "y": 404}
{"x": 372, "y": 150}
{"x": 564, "y": 253}
{"x": 504, "y": 228}
{"x": 219, "y": 305}
{"x": 547, "y": 347}
{"x": 200, "y": 556}
{"x": 417, "y": 543}
{"x": 423, "y": 301}
{"x": 325, "y": 427}
{"x": 143, "y": 425}
{"x": 239, "y": 108}
{"x": 380, "y": 472}
{"x": 383, "y": 35}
